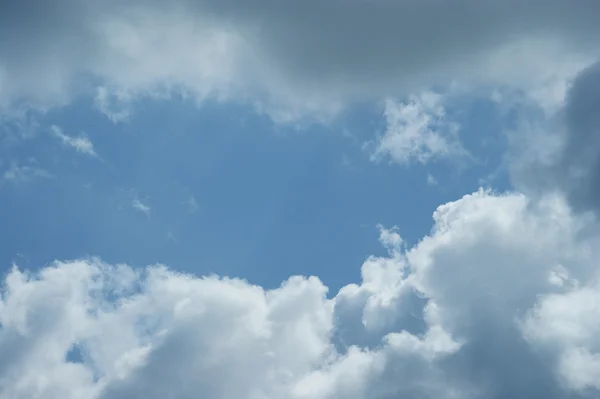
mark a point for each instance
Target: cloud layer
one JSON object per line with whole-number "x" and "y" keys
{"x": 499, "y": 301}
{"x": 287, "y": 58}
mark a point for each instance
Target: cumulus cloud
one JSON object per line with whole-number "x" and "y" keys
{"x": 418, "y": 131}
{"x": 81, "y": 144}
{"x": 287, "y": 59}
{"x": 492, "y": 320}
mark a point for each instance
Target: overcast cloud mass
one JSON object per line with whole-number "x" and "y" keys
{"x": 500, "y": 300}
{"x": 289, "y": 59}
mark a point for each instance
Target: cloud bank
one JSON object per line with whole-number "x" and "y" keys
{"x": 288, "y": 59}
{"x": 499, "y": 301}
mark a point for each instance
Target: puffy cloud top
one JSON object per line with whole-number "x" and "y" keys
{"x": 494, "y": 303}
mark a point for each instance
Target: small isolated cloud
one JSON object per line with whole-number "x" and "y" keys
{"x": 471, "y": 311}
{"x": 431, "y": 180}
{"x": 140, "y": 206}
{"x": 192, "y": 204}
{"x": 23, "y": 173}
{"x": 171, "y": 236}
{"x": 417, "y": 131}
{"x": 81, "y": 144}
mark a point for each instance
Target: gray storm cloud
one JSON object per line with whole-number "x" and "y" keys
{"x": 580, "y": 161}
{"x": 562, "y": 152}
{"x": 289, "y": 58}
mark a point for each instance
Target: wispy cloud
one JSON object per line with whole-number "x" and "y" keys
{"x": 171, "y": 237}
{"x": 140, "y": 206}
{"x": 431, "y": 180}
{"x": 24, "y": 173}
{"x": 115, "y": 106}
{"x": 192, "y": 204}
{"x": 81, "y": 143}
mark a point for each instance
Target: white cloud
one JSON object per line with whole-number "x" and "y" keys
{"x": 140, "y": 206}
{"x": 490, "y": 322}
{"x": 284, "y": 58}
{"x": 23, "y": 173}
{"x": 566, "y": 325}
{"x": 418, "y": 131}
{"x": 81, "y": 144}
{"x": 116, "y": 106}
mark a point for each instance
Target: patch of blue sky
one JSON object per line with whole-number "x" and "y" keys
{"x": 225, "y": 191}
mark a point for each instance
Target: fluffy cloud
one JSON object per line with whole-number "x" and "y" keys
{"x": 566, "y": 326}
{"x": 492, "y": 304}
{"x": 287, "y": 58}
{"x": 418, "y": 130}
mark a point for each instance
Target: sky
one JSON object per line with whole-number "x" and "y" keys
{"x": 281, "y": 200}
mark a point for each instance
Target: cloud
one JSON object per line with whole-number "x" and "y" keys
{"x": 579, "y": 161}
{"x": 564, "y": 325}
{"x": 418, "y": 131}
{"x": 115, "y": 105}
{"x": 500, "y": 284}
{"x": 192, "y": 204}
{"x": 560, "y": 149}
{"x": 23, "y": 173}
{"x": 431, "y": 180}
{"x": 287, "y": 59}
{"x": 81, "y": 144}
{"x": 140, "y": 206}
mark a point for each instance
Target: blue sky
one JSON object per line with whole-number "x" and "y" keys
{"x": 228, "y": 191}
{"x": 299, "y": 200}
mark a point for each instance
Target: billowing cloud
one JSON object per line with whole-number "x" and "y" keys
{"x": 287, "y": 58}
{"x": 494, "y": 303}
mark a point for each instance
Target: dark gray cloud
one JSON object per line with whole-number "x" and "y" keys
{"x": 562, "y": 152}
{"x": 580, "y": 161}
{"x": 287, "y": 57}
